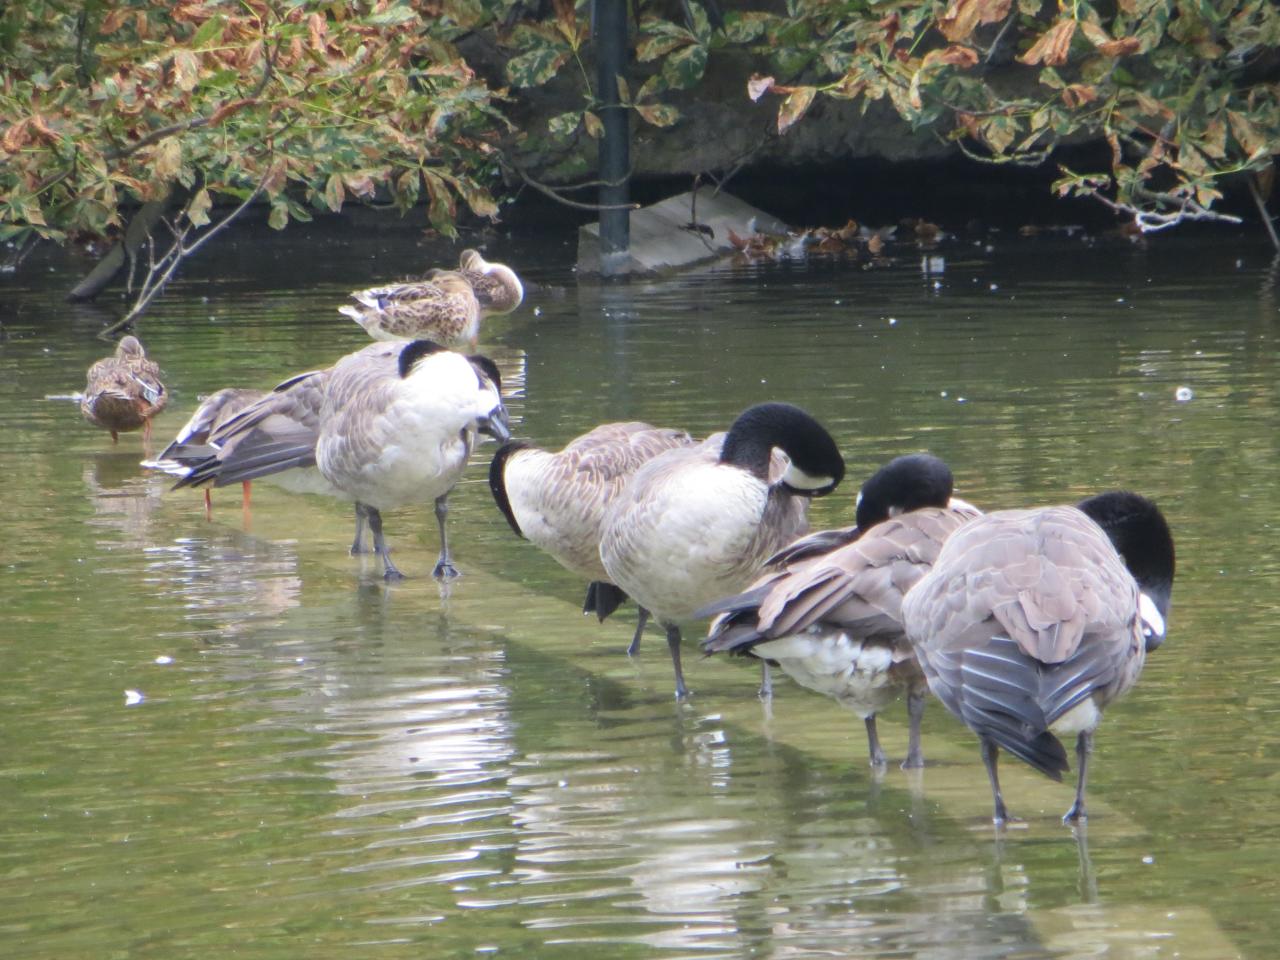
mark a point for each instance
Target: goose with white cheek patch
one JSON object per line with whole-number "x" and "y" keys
{"x": 1032, "y": 621}
{"x": 557, "y": 500}
{"x": 386, "y": 426}
{"x": 695, "y": 524}
{"x": 829, "y": 609}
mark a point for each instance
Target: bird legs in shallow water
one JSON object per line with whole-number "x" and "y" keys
{"x": 915, "y": 714}
{"x": 445, "y": 570}
{"x": 873, "y": 743}
{"x": 634, "y": 648}
{"x": 673, "y": 644}
{"x": 990, "y": 759}
{"x": 1084, "y": 747}
{"x": 357, "y": 545}
{"x": 371, "y": 516}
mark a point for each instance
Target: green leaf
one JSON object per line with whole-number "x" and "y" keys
{"x": 563, "y": 124}
{"x": 210, "y": 31}
{"x": 535, "y": 67}
{"x": 279, "y": 218}
{"x": 685, "y": 67}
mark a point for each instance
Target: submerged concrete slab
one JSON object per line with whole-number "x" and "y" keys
{"x": 665, "y": 237}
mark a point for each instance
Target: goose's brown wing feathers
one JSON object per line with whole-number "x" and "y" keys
{"x": 858, "y": 586}
{"x": 1026, "y": 615}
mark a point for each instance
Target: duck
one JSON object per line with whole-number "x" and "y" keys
{"x": 190, "y": 445}
{"x": 1032, "y": 621}
{"x": 828, "y": 610}
{"x": 557, "y": 500}
{"x": 442, "y": 308}
{"x": 124, "y": 392}
{"x": 385, "y": 426}
{"x": 446, "y": 306}
{"x": 497, "y": 287}
{"x": 695, "y": 523}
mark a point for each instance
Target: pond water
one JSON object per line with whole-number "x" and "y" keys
{"x": 324, "y": 766}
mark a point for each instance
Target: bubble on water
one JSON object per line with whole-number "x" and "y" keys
{"x": 1184, "y": 394}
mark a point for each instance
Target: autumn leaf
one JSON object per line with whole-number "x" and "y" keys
{"x": 963, "y": 16}
{"x": 1078, "y": 94}
{"x": 333, "y": 193}
{"x": 758, "y": 86}
{"x": 593, "y": 125}
{"x": 1246, "y": 134}
{"x": 167, "y": 159}
{"x": 1051, "y": 49}
{"x": 659, "y": 114}
{"x": 198, "y": 208}
{"x": 794, "y": 107}
{"x": 955, "y": 55}
{"x": 1120, "y": 48}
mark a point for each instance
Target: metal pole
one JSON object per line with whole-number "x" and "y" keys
{"x": 615, "y": 146}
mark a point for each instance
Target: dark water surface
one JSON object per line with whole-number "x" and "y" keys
{"x": 326, "y": 767}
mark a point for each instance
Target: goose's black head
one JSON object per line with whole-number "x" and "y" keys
{"x": 904, "y": 484}
{"x": 816, "y": 465}
{"x": 414, "y": 351}
{"x": 1141, "y": 536}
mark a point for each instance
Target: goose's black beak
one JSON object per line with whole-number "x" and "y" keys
{"x": 496, "y": 425}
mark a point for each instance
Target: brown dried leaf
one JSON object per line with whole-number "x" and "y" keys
{"x": 1078, "y": 94}
{"x": 1051, "y": 49}
{"x": 758, "y": 86}
{"x": 794, "y": 107}
{"x": 956, "y": 55}
{"x": 964, "y": 16}
{"x": 1120, "y": 48}
{"x": 16, "y": 136}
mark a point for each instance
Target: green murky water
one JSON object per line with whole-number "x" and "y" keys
{"x": 327, "y": 767}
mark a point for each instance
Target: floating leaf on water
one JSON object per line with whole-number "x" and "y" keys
{"x": 133, "y": 697}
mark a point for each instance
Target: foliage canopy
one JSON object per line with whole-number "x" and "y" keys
{"x": 110, "y": 104}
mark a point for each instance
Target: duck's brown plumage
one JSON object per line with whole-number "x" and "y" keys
{"x": 1029, "y": 625}
{"x": 443, "y": 309}
{"x": 124, "y": 392}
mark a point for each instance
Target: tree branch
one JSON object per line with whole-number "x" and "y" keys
{"x": 553, "y": 193}
{"x": 161, "y": 272}
{"x": 1150, "y": 221}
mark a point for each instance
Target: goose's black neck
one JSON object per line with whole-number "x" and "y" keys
{"x": 1141, "y": 536}
{"x": 815, "y": 459}
{"x": 498, "y": 481}
{"x": 904, "y": 484}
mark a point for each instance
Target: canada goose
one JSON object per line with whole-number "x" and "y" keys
{"x": 1032, "y": 621}
{"x": 829, "y": 609}
{"x": 695, "y": 523}
{"x": 191, "y": 443}
{"x": 557, "y": 500}
{"x": 123, "y": 392}
{"x": 388, "y": 425}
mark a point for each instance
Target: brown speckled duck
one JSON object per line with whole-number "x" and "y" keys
{"x": 123, "y": 392}
{"x": 445, "y": 307}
